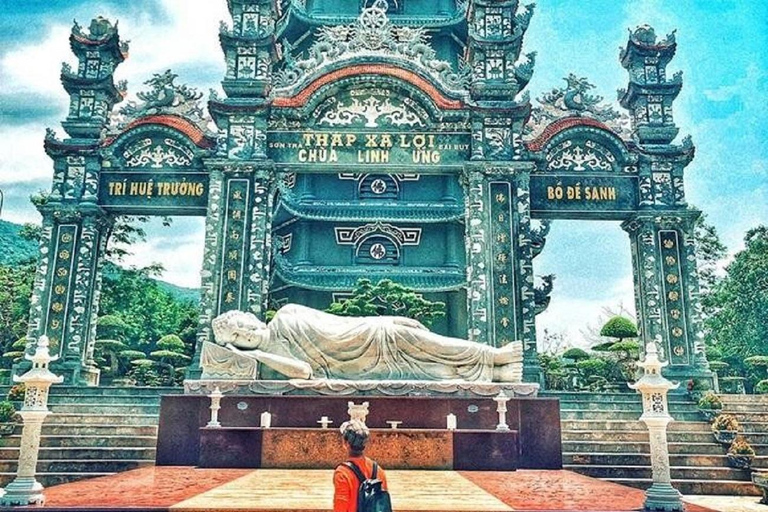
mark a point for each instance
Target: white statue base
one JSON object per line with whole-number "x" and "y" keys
{"x": 335, "y": 387}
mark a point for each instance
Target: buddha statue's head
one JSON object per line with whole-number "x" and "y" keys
{"x": 233, "y": 326}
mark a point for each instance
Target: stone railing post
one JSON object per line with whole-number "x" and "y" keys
{"x": 25, "y": 489}
{"x": 661, "y": 496}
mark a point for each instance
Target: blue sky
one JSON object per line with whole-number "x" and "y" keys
{"x": 723, "y": 106}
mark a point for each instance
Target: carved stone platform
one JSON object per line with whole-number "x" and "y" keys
{"x": 329, "y": 387}
{"x": 314, "y": 448}
{"x": 533, "y": 441}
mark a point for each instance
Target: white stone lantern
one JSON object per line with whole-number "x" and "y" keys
{"x": 661, "y": 496}
{"x": 25, "y": 489}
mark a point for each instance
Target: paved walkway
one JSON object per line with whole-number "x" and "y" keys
{"x": 729, "y": 503}
{"x": 186, "y": 489}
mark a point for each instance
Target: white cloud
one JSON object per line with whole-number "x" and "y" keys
{"x": 569, "y": 315}
{"x": 188, "y": 36}
{"x": 178, "y": 248}
{"x": 23, "y": 158}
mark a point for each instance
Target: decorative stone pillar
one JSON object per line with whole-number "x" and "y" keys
{"x": 25, "y": 489}
{"x": 661, "y": 496}
{"x": 666, "y": 291}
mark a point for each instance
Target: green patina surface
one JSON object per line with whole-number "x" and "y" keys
{"x": 376, "y": 139}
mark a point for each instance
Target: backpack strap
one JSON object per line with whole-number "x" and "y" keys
{"x": 375, "y": 470}
{"x": 356, "y": 470}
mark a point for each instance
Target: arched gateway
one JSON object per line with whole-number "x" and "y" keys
{"x": 387, "y": 140}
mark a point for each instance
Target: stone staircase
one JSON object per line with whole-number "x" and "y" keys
{"x": 603, "y": 438}
{"x": 100, "y": 431}
{"x": 93, "y": 432}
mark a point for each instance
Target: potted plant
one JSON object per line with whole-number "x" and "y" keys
{"x": 740, "y": 454}
{"x": 710, "y": 405}
{"x": 7, "y": 418}
{"x": 725, "y": 428}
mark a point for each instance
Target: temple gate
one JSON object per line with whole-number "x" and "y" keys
{"x": 380, "y": 139}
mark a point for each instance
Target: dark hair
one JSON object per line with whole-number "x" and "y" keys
{"x": 355, "y": 435}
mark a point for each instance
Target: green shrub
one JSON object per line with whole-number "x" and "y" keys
{"x": 575, "y": 354}
{"x": 710, "y": 401}
{"x": 7, "y": 412}
{"x": 761, "y": 388}
{"x": 619, "y": 327}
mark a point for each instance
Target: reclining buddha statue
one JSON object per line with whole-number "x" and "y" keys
{"x": 303, "y": 343}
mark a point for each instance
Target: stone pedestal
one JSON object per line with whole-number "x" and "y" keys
{"x": 25, "y": 489}
{"x": 661, "y": 496}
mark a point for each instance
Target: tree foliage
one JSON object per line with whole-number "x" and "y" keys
{"x": 710, "y": 251}
{"x": 388, "y": 298}
{"x": 619, "y": 327}
{"x": 738, "y": 323}
{"x": 15, "y": 291}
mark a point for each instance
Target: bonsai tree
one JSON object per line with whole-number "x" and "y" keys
{"x": 170, "y": 357}
{"x": 575, "y": 354}
{"x": 761, "y": 387}
{"x": 388, "y": 298}
{"x": 109, "y": 345}
{"x": 17, "y": 350}
{"x": 619, "y": 327}
{"x": 759, "y": 365}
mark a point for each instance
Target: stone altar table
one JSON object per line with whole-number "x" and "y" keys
{"x": 533, "y": 441}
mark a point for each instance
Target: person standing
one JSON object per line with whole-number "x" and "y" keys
{"x": 360, "y": 485}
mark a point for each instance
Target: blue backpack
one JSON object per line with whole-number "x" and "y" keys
{"x": 371, "y": 497}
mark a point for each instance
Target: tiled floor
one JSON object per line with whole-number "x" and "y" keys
{"x": 183, "y": 489}
{"x": 729, "y": 503}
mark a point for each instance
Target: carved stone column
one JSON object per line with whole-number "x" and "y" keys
{"x": 666, "y": 291}
{"x": 477, "y": 252}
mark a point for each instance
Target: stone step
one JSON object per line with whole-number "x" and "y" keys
{"x": 644, "y": 459}
{"x": 102, "y": 399}
{"x": 585, "y": 396}
{"x": 74, "y": 441}
{"x": 50, "y": 479}
{"x": 757, "y": 399}
{"x": 587, "y": 447}
{"x": 80, "y": 466}
{"x": 711, "y": 487}
{"x": 635, "y": 436}
{"x": 103, "y": 419}
{"x": 577, "y": 414}
{"x": 85, "y": 453}
{"x": 75, "y": 429}
{"x": 625, "y": 425}
{"x": 678, "y": 472}
{"x": 106, "y": 408}
{"x": 115, "y": 391}
{"x": 750, "y": 416}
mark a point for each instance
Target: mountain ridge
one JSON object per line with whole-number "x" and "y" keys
{"x": 14, "y": 250}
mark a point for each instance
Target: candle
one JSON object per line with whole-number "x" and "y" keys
{"x": 451, "y": 421}
{"x": 266, "y": 420}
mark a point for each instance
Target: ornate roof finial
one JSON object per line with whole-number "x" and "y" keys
{"x": 165, "y": 97}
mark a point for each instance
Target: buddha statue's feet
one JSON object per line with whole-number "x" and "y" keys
{"x": 510, "y": 353}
